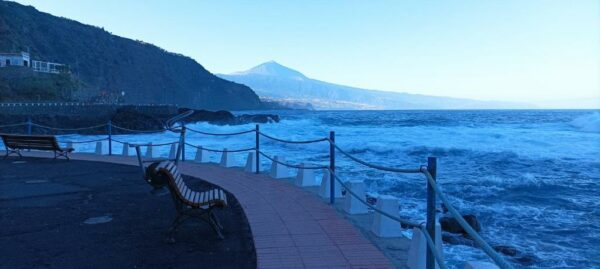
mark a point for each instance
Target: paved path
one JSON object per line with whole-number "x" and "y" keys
{"x": 292, "y": 227}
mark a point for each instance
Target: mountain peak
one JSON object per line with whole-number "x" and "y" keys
{"x": 272, "y": 68}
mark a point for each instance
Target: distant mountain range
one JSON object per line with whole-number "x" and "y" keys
{"x": 109, "y": 65}
{"x": 274, "y": 81}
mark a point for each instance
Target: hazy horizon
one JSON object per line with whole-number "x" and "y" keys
{"x": 546, "y": 53}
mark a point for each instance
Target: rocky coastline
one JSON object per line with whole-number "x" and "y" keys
{"x": 123, "y": 119}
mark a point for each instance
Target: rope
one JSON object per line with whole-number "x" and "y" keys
{"x": 399, "y": 220}
{"x": 294, "y": 142}
{"x": 484, "y": 246}
{"x": 292, "y": 165}
{"x": 154, "y": 145}
{"x": 138, "y": 131}
{"x": 431, "y": 245}
{"x": 374, "y": 166}
{"x": 87, "y": 141}
{"x": 68, "y": 129}
{"x": 218, "y": 150}
{"x": 221, "y": 134}
{"x": 11, "y": 125}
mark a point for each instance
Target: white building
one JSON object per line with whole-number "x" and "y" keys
{"x": 22, "y": 59}
{"x": 14, "y": 59}
{"x": 47, "y": 67}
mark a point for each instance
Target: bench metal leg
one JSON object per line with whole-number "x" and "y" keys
{"x": 11, "y": 151}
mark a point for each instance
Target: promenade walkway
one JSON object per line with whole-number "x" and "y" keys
{"x": 292, "y": 228}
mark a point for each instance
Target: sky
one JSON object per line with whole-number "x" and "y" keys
{"x": 545, "y": 52}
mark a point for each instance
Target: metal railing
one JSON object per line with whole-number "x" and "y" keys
{"x": 429, "y": 171}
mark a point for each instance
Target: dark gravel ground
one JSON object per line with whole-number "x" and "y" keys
{"x": 45, "y": 203}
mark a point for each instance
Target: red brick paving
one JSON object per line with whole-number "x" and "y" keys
{"x": 292, "y": 228}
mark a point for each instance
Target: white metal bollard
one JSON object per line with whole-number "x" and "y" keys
{"x": 173, "y": 151}
{"x": 250, "y": 163}
{"x": 382, "y": 225}
{"x": 99, "y": 147}
{"x": 324, "y": 190}
{"x": 149, "y": 151}
{"x": 125, "y": 149}
{"x": 226, "y": 159}
{"x": 480, "y": 265}
{"x": 417, "y": 253}
{"x": 201, "y": 156}
{"x": 305, "y": 177}
{"x": 351, "y": 204}
{"x": 279, "y": 170}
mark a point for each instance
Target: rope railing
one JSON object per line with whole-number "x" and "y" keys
{"x": 132, "y": 145}
{"x": 463, "y": 223}
{"x": 13, "y": 125}
{"x": 432, "y": 186}
{"x": 294, "y": 141}
{"x": 220, "y": 150}
{"x": 220, "y": 134}
{"x": 374, "y": 166}
{"x": 348, "y": 190}
{"x": 137, "y": 131}
{"x": 67, "y": 129}
{"x": 83, "y": 142}
{"x": 292, "y": 165}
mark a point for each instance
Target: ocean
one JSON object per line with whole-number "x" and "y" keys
{"x": 532, "y": 177}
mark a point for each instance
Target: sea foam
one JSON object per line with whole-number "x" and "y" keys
{"x": 587, "y": 123}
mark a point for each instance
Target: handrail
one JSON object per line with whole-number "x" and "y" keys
{"x": 399, "y": 220}
{"x": 221, "y": 134}
{"x": 132, "y": 145}
{"x": 374, "y": 166}
{"x": 431, "y": 245}
{"x": 86, "y": 141}
{"x": 12, "y": 125}
{"x": 219, "y": 150}
{"x": 68, "y": 129}
{"x": 463, "y": 223}
{"x": 138, "y": 131}
{"x": 293, "y": 165}
{"x": 292, "y": 141}
{"x": 333, "y": 146}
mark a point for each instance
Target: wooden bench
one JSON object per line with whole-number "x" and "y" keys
{"x": 15, "y": 143}
{"x": 190, "y": 203}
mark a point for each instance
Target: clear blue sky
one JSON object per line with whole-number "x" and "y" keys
{"x": 519, "y": 50}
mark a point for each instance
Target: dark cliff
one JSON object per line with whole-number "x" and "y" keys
{"x": 109, "y": 65}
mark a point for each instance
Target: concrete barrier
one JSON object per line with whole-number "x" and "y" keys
{"x": 382, "y": 225}
{"x": 201, "y": 156}
{"x": 125, "y": 149}
{"x": 250, "y": 163}
{"x": 149, "y": 151}
{"x": 324, "y": 190}
{"x": 278, "y": 170}
{"x": 305, "y": 177}
{"x": 480, "y": 265}
{"x": 173, "y": 151}
{"x": 99, "y": 148}
{"x": 226, "y": 159}
{"x": 351, "y": 204}
{"x": 417, "y": 253}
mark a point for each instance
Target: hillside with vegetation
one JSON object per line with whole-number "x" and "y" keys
{"x": 107, "y": 64}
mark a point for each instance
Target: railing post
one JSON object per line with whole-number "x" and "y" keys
{"x": 29, "y": 126}
{"x": 183, "y": 141}
{"x": 257, "y": 146}
{"x": 109, "y": 126}
{"x": 332, "y": 167}
{"x": 431, "y": 219}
